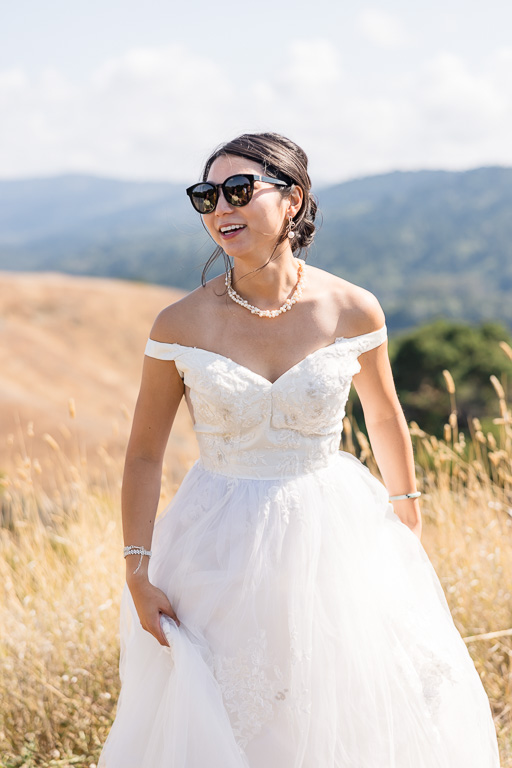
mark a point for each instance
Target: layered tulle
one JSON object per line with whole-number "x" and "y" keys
{"x": 314, "y": 632}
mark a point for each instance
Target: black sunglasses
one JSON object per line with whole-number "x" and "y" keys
{"x": 237, "y": 190}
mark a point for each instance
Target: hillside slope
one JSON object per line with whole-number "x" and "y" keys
{"x": 428, "y": 243}
{"x": 65, "y": 337}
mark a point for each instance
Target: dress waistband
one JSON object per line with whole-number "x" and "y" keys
{"x": 284, "y": 467}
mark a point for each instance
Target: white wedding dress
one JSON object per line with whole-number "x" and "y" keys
{"x": 314, "y": 630}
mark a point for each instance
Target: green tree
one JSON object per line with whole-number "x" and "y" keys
{"x": 470, "y": 353}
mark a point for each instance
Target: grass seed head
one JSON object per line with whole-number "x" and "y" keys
{"x": 450, "y": 384}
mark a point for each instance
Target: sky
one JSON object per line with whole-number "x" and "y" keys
{"x": 145, "y": 90}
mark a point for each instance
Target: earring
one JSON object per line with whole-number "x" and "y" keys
{"x": 291, "y": 224}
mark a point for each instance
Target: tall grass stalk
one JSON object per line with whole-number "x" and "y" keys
{"x": 61, "y": 575}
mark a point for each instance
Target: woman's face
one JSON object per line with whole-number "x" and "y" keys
{"x": 260, "y": 221}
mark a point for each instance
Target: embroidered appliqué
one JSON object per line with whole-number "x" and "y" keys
{"x": 252, "y": 686}
{"x": 425, "y": 672}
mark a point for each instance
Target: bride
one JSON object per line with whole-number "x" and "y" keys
{"x": 281, "y": 612}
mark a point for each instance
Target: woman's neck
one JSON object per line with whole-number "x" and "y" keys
{"x": 266, "y": 285}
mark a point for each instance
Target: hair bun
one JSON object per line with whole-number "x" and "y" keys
{"x": 305, "y": 226}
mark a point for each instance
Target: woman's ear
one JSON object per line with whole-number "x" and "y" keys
{"x": 295, "y": 201}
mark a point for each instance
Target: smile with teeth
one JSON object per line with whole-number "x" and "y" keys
{"x": 231, "y": 228}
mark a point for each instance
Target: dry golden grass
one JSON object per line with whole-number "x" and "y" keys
{"x": 63, "y": 336}
{"x": 61, "y": 577}
{"x": 467, "y": 532}
{"x": 61, "y": 572}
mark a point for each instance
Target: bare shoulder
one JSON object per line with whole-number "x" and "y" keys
{"x": 181, "y": 322}
{"x": 358, "y": 311}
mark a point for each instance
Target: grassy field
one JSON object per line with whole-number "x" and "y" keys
{"x": 61, "y": 574}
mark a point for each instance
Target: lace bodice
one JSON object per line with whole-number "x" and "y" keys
{"x": 247, "y": 426}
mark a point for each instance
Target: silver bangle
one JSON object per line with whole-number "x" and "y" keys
{"x": 133, "y": 550}
{"x": 414, "y": 495}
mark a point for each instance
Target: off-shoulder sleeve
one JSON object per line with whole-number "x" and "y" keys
{"x": 366, "y": 341}
{"x": 163, "y": 351}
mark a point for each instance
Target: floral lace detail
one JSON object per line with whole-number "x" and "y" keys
{"x": 252, "y": 686}
{"x": 298, "y": 654}
{"x": 283, "y": 503}
{"x": 426, "y": 673}
{"x": 433, "y": 673}
{"x": 249, "y": 427}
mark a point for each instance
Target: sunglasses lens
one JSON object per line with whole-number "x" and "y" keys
{"x": 204, "y": 197}
{"x": 238, "y": 190}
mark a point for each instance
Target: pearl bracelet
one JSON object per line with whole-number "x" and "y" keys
{"x": 406, "y": 496}
{"x": 133, "y": 550}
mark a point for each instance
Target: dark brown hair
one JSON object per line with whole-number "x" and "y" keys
{"x": 284, "y": 160}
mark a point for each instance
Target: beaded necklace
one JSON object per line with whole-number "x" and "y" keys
{"x": 288, "y": 304}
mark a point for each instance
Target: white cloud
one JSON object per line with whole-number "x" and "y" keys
{"x": 12, "y": 80}
{"x": 311, "y": 65}
{"x": 458, "y": 97}
{"x": 382, "y": 28}
{"x": 157, "y": 112}
{"x": 54, "y": 86}
{"x": 142, "y": 114}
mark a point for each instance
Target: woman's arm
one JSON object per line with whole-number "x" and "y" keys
{"x": 387, "y": 428}
{"x": 160, "y": 393}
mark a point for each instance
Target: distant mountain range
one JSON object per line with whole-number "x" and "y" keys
{"x": 427, "y": 243}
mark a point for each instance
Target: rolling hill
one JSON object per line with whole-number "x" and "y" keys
{"x": 427, "y": 243}
{"x": 63, "y": 337}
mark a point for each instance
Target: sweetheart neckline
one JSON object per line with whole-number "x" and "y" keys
{"x": 259, "y": 375}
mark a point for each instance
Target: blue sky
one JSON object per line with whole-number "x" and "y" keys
{"x": 145, "y": 90}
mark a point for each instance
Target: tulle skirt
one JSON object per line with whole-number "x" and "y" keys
{"x": 314, "y": 633}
